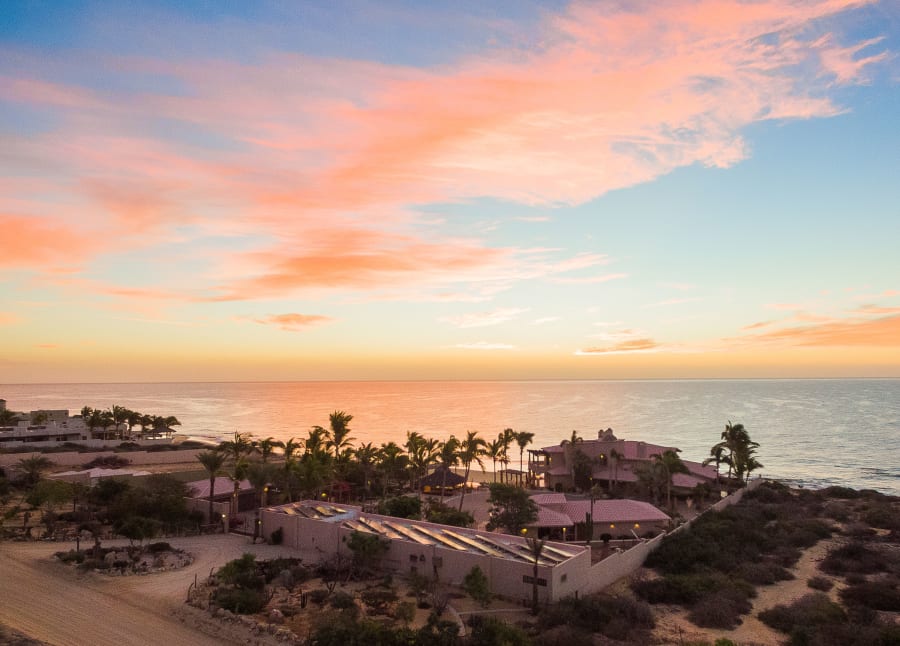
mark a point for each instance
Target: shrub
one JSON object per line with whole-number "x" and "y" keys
{"x": 160, "y": 546}
{"x": 877, "y": 595}
{"x": 242, "y": 573}
{"x": 853, "y": 557}
{"x": 240, "y": 600}
{"x": 318, "y": 595}
{"x": 811, "y": 610}
{"x": 277, "y": 536}
{"x": 762, "y": 573}
{"x": 342, "y": 600}
{"x": 722, "y": 609}
{"x": 70, "y": 557}
{"x": 820, "y": 583}
{"x": 478, "y": 587}
{"x": 845, "y": 493}
{"x": 620, "y": 618}
{"x": 489, "y": 631}
{"x": 883, "y": 517}
{"x": 401, "y": 507}
{"x": 378, "y": 599}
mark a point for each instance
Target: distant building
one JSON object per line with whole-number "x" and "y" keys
{"x": 566, "y": 518}
{"x": 613, "y": 461}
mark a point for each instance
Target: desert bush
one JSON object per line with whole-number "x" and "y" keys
{"x": 318, "y": 595}
{"x": 489, "y": 631}
{"x": 342, "y": 600}
{"x": 883, "y": 517}
{"x": 242, "y": 573}
{"x": 620, "y": 617}
{"x": 688, "y": 589}
{"x": 845, "y": 493}
{"x": 762, "y": 573}
{"x": 820, "y": 583}
{"x": 854, "y": 557}
{"x": 401, "y": 507}
{"x": 563, "y": 635}
{"x": 240, "y": 600}
{"x": 721, "y": 610}
{"x": 378, "y": 599}
{"x": 70, "y": 557}
{"x": 859, "y": 530}
{"x": 159, "y": 546}
{"x": 877, "y": 595}
{"x": 814, "y": 609}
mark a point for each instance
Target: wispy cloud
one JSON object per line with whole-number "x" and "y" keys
{"x": 484, "y": 345}
{"x": 545, "y": 319}
{"x": 624, "y": 347}
{"x": 9, "y": 318}
{"x": 674, "y": 301}
{"x": 293, "y": 322}
{"x": 484, "y": 319}
{"x": 587, "y": 280}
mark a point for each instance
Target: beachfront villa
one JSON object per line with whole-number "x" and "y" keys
{"x": 612, "y": 462}
{"x": 447, "y": 553}
{"x": 566, "y": 518}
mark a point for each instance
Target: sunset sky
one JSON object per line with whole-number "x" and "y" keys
{"x": 439, "y": 190}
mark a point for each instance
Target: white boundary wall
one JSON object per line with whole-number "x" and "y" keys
{"x": 137, "y": 458}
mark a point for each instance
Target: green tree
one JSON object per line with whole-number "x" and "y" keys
{"x": 669, "y": 464}
{"x": 267, "y": 447}
{"x": 8, "y": 417}
{"x": 477, "y": 586}
{"x": 391, "y": 462}
{"x": 494, "y": 450}
{"x": 237, "y": 450}
{"x": 523, "y": 439}
{"x": 511, "y": 508}
{"x": 34, "y": 467}
{"x": 366, "y": 456}
{"x": 448, "y": 457}
{"x": 213, "y": 463}
{"x": 401, "y": 507}
{"x": 470, "y": 450}
{"x": 288, "y": 470}
{"x": 536, "y": 548}
{"x": 339, "y": 435}
{"x": 368, "y": 550}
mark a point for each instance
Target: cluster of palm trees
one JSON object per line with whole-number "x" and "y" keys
{"x": 328, "y": 458}
{"x": 119, "y": 422}
{"x": 737, "y": 451}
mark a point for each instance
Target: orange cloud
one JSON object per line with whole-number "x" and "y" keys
{"x": 880, "y": 332}
{"x": 41, "y": 243}
{"x": 633, "y": 345}
{"x": 293, "y": 322}
{"x": 8, "y": 318}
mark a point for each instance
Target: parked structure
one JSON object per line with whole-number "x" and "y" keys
{"x": 439, "y": 551}
{"x": 613, "y": 462}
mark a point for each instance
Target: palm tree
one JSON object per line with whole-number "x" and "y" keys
{"x": 536, "y": 547}
{"x": 470, "y": 450}
{"x": 507, "y": 436}
{"x": 100, "y": 419}
{"x": 391, "y": 461}
{"x": 670, "y": 464}
{"x": 33, "y": 467}
{"x": 595, "y": 492}
{"x": 422, "y": 452}
{"x": 119, "y": 416}
{"x": 8, "y": 417}
{"x": 316, "y": 440}
{"x": 615, "y": 456}
{"x": 448, "y": 457}
{"x": 260, "y": 475}
{"x": 571, "y": 445}
{"x": 212, "y": 462}
{"x": 494, "y": 450}
{"x": 267, "y": 446}
{"x": 718, "y": 455}
{"x": 523, "y": 439}
{"x": 38, "y": 418}
{"x": 366, "y": 455}
{"x": 290, "y": 448}
{"x": 237, "y": 450}
{"x": 339, "y": 436}
{"x": 133, "y": 419}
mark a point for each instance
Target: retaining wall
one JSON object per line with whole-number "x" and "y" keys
{"x": 137, "y": 458}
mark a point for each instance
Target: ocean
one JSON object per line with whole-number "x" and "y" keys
{"x": 811, "y": 433}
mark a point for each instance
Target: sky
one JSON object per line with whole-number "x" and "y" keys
{"x": 278, "y": 190}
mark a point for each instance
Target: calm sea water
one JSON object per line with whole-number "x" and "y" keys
{"x": 811, "y": 432}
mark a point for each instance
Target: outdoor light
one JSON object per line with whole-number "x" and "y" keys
{"x": 637, "y": 525}
{"x": 524, "y": 531}
{"x": 612, "y": 525}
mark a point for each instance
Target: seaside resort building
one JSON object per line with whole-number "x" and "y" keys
{"x": 445, "y": 553}
{"x": 563, "y": 518}
{"x": 613, "y": 462}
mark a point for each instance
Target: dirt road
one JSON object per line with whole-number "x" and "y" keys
{"x": 55, "y": 604}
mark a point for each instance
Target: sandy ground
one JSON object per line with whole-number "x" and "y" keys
{"x": 674, "y": 628}
{"x": 53, "y": 603}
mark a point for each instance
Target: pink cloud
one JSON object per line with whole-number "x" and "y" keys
{"x": 615, "y": 95}
{"x": 9, "y": 318}
{"x": 880, "y": 332}
{"x": 294, "y": 322}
